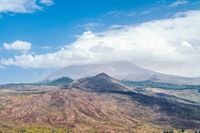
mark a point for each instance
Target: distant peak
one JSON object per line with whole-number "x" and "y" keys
{"x": 100, "y": 83}
{"x": 102, "y": 75}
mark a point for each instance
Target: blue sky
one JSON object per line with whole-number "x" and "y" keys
{"x": 50, "y": 26}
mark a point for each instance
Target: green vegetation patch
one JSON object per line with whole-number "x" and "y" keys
{"x": 152, "y": 84}
{"x": 33, "y": 129}
{"x": 57, "y": 82}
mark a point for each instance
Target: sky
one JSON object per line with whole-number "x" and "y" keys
{"x": 38, "y": 37}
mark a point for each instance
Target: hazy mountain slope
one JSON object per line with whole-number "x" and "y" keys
{"x": 123, "y": 71}
{"x": 119, "y": 70}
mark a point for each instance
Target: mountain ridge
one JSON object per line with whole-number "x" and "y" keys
{"x": 122, "y": 70}
{"x": 100, "y": 83}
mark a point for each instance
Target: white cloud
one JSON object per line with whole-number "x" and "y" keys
{"x": 178, "y": 3}
{"x": 18, "y": 45}
{"x": 22, "y": 6}
{"x": 114, "y": 27}
{"x": 47, "y": 2}
{"x": 170, "y": 45}
{"x": 91, "y": 25}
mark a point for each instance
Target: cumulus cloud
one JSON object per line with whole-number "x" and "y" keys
{"x": 170, "y": 45}
{"x": 18, "y": 45}
{"x": 22, "y": 6}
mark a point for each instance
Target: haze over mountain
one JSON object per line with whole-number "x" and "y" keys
{"x": 121, "y": 70}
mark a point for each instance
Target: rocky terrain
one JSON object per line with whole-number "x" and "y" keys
{"x": 95, "y": 104}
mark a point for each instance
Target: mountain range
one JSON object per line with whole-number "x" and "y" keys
{"x": 122, "y": 70}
